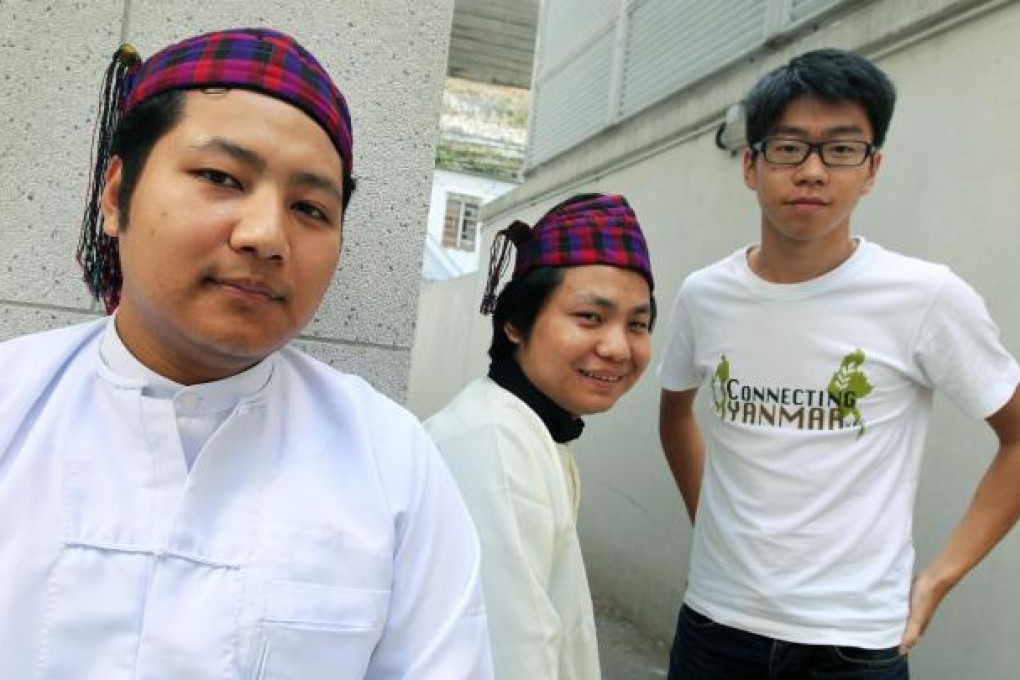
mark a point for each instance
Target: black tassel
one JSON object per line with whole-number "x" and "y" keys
{"x": 97, "y": 253}
{"x": 517, "y": 233}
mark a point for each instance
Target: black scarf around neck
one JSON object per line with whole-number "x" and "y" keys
{"x": 562, "y": 426}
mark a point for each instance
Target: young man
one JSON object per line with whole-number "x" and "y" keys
{"x": 181, "y": 495}
{"x": 821, "y": 352}
{"x": 570, "y": 336}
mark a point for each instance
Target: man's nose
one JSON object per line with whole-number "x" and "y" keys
{"x": 262, "y": 228}
{"x": 614, "y": 345}
{"x": 812, "y": 168}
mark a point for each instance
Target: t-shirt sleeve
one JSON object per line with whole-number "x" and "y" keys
{"x": 677, "y": 371}
{"x": 959, "y": 351}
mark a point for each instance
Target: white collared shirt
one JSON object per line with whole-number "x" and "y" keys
{"x": 523, "y": 490}
{"x": 199, "y": 410}
{"x": 317, "y": 535}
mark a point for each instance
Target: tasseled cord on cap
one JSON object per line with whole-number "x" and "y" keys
{"x": 97, "y": 252}
{"x": 517, "y": 233}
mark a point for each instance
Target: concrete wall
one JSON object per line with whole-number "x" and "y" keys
{"x": 946, "y": 193}
{"x": 384, "y": 55}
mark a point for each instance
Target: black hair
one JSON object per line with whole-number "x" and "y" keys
{"x": 828, "y": 75}
{"x": 520, "y": 302}
{"x": 145, "y": 125}
{"x": 134, "y": 138}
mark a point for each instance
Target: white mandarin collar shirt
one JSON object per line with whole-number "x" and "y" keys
{"x": 317, "y": 536}
{"x": 198, "y": 410}
{"x": 523, "y": 490}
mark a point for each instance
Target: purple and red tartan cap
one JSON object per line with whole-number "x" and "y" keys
{"x": 260, "y": 59}
{"x": 586, "y": 229}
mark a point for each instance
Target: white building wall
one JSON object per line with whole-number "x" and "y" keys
{"x": 387, "y": 56}
{"x": 946, "y": 192}
{"x": 441, "y": 263}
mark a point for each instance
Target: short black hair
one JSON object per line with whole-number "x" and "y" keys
{"x": 520, "y": 302}
{"x": 135, "y": 136}
{"x": 828, "y": 75}
{"x": 145, "y": 125}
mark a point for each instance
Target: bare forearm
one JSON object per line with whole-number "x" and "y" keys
{"x": 682, "y": 444}
{"x": 992, "y": 513}
{"x": 687, "y": 463}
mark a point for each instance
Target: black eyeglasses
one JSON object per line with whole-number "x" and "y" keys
{"x": 838, "y": 153}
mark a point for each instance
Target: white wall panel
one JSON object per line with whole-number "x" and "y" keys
{"x": 572, "y": 105}
{"x": 567, "y": 26}
{"x": 584, "y": 56}
{"x": 671, "y": 44}
{"x": 802, "y": 9}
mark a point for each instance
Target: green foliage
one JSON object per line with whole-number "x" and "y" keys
{"x": 477, "y": 158}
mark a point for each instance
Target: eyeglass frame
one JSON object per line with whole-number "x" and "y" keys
{"x": 815, "y": 147}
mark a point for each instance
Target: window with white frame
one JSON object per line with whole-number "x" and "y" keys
{"x": 461, "y": 224}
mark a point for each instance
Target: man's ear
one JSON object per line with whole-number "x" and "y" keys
{"x": 750, "y": 172}
{"x": 110, "y": 199}
{"x": 512, "y": 333}
{"x": 876, "y": 163}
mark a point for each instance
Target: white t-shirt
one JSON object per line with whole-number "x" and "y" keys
{"x": 522, "y": 490}
{"x": 820, "y": 396}
{"x": 318, "y": 534}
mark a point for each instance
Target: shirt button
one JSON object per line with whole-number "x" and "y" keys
{"x": 190, "y": 401}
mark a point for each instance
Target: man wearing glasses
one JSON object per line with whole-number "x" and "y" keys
{"x": 821, "y": 352}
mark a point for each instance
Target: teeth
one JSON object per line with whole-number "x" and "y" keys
{"x": 602, "y": 378}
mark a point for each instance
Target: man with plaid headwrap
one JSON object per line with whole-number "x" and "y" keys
{"x": 181, "y": 495}
{"x": 570, "y": 336}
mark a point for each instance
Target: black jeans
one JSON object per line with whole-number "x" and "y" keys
{"x": 706, "y": 650}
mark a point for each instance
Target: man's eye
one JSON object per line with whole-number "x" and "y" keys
{"x": 787, "y": 148}
{"x": 218, "y": 178}
{"x": 639, "y": 326}
{"x": 590, "y": 317}
{"x": 312, "y": 211}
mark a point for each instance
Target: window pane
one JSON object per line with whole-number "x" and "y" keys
{"x": 451, "y": 224}
{"x": 461, "y": 225}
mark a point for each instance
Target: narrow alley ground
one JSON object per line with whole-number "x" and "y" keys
{"x": 627, "y": 652}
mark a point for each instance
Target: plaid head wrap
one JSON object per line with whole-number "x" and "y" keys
{"x": 584, "y": 229}
{"x": 257, "y": 59}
